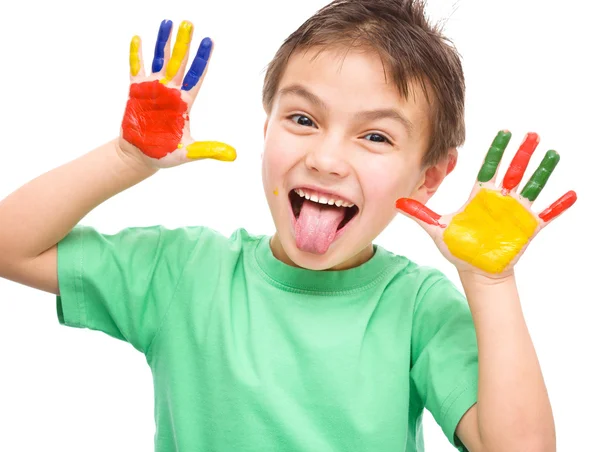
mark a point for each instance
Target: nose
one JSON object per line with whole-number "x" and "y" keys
{"x": 327, "y": 159}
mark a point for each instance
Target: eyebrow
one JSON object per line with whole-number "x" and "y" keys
{"x": 369, "y": 115}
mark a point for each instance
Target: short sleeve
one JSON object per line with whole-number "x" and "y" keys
{"x": 121, "y": 284}
{"x": 444, "y": 354}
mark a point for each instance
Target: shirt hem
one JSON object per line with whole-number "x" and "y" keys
{"x": 70, "y": 303}
{"x": 455, "y": 406}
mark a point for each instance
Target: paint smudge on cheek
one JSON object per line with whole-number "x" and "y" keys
{"x": 154, "y": 118}
{"x": 491, "y": 231}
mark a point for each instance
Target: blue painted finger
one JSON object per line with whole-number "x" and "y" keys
{"x": 198, "y": 65}
{"x": 161, "y": 41}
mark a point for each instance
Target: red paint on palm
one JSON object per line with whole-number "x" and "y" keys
{"x": 154, "y": 118}
{"x": 419, "y": 211}
{"x": 519, "y": 163}
{"x": 559, "y": 206}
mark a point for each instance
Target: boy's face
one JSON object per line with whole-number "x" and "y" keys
{"x": 340, "y": 133}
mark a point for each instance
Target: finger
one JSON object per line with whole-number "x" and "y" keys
{"x": 176, "y": 64}
{"x": 211, "y": 150}
{"x": 197, "y": 68}
{"x": 419, "y": 211}
{"x": 162, "y": 50}
{"x": 492, "y": 159}
{"x": 136, "y": 62}
{"x": 519, "y": 163}
{"x": 559, "y": 206}
{"x": 541, "y": 175}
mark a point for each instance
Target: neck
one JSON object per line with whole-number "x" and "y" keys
{"x": 358, "y": 259}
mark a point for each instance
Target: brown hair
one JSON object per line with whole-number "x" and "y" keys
{"x": 409, "y": 46}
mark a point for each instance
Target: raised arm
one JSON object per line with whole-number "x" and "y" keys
{"x": 484, "y": 240}
{"x": 154, "y": 134}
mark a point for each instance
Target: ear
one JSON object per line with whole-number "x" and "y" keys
{"x": 433, "y": 177}
{"x": 451, "y": 160}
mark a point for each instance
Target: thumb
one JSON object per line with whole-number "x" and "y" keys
{"x": 210, "y": 150}
{"x": 417, "y": 211}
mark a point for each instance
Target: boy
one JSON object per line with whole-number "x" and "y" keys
{"x": 250, "y": 345}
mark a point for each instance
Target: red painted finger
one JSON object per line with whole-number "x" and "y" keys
{"x": 559, "y": 206}
{"x": 519, "y": 163}
{"x": 419, "y": 211}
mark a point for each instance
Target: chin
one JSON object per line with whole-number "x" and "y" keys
{"x": 312, "y": 261}
{"x": 346, "y": 247}
{"x": 342, "y": 253}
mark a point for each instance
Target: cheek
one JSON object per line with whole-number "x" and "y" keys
{"x": 386, "y": 178}
{"x": 281, "y": 151}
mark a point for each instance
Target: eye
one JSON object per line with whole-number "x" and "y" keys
{"x": 377, "y": 138}
{"x": 302, "y": 120}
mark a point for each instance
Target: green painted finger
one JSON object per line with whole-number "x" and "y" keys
{"x": 541, "y": 175}
{"x": 493, "y": 156}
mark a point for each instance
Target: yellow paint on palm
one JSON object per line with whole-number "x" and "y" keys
{"x": 182, "y": 44}
{"x": 134, "y": 55}
{"x": 211, "y": 150}
{"x": 491, "y": 231}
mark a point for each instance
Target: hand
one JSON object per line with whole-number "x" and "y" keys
{"x": 156, "y": 123}
{"x": 492, "y": 230}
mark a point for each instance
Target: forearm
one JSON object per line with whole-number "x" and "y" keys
{"x": 42, "y": 212}
{"x": 514, "y": 411}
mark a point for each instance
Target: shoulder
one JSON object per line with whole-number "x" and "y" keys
{"x": 206, "y": 244}
{"x": 423, "y": 282}
{"x": 402, "y": 268}
{"x": 159, "y": 240}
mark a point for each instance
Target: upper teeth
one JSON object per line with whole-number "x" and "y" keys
{"x": 323, "y": 199}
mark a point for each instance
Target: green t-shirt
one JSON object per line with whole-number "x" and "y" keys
{"x": 250, "y": 354}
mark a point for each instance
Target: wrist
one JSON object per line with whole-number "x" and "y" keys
{"x": 477, "y": 278}
{"x": 129, "y": 163}
{"x": 489, "y": 293}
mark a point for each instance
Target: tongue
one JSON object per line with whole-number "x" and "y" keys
{"x": 316, "y": 226}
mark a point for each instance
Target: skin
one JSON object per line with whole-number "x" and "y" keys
{"x": 325, "y": 147}
{"x": 499, "y": 223}
{"x": 490, "y": 232}
{"x": 156, "y": 125}
{"x": 38, "y": 215}
{"x": 338, "y": 156}
{"x": 338, "y": 151}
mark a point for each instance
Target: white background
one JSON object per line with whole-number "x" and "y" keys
{"x": 529, "y": 65}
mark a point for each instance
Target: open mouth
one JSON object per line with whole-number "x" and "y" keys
{"x": 296, "y": 201}
{"x": 318, "y": 219}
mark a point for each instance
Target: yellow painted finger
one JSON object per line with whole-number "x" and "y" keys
{"x": 180, "y": 50}
{"x": 134, "y": 56}
{"x": 211, "y": 150}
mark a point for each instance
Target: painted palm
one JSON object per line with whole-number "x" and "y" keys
{"x": 156, "y": 119}
{"x": 493, "y": 228}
